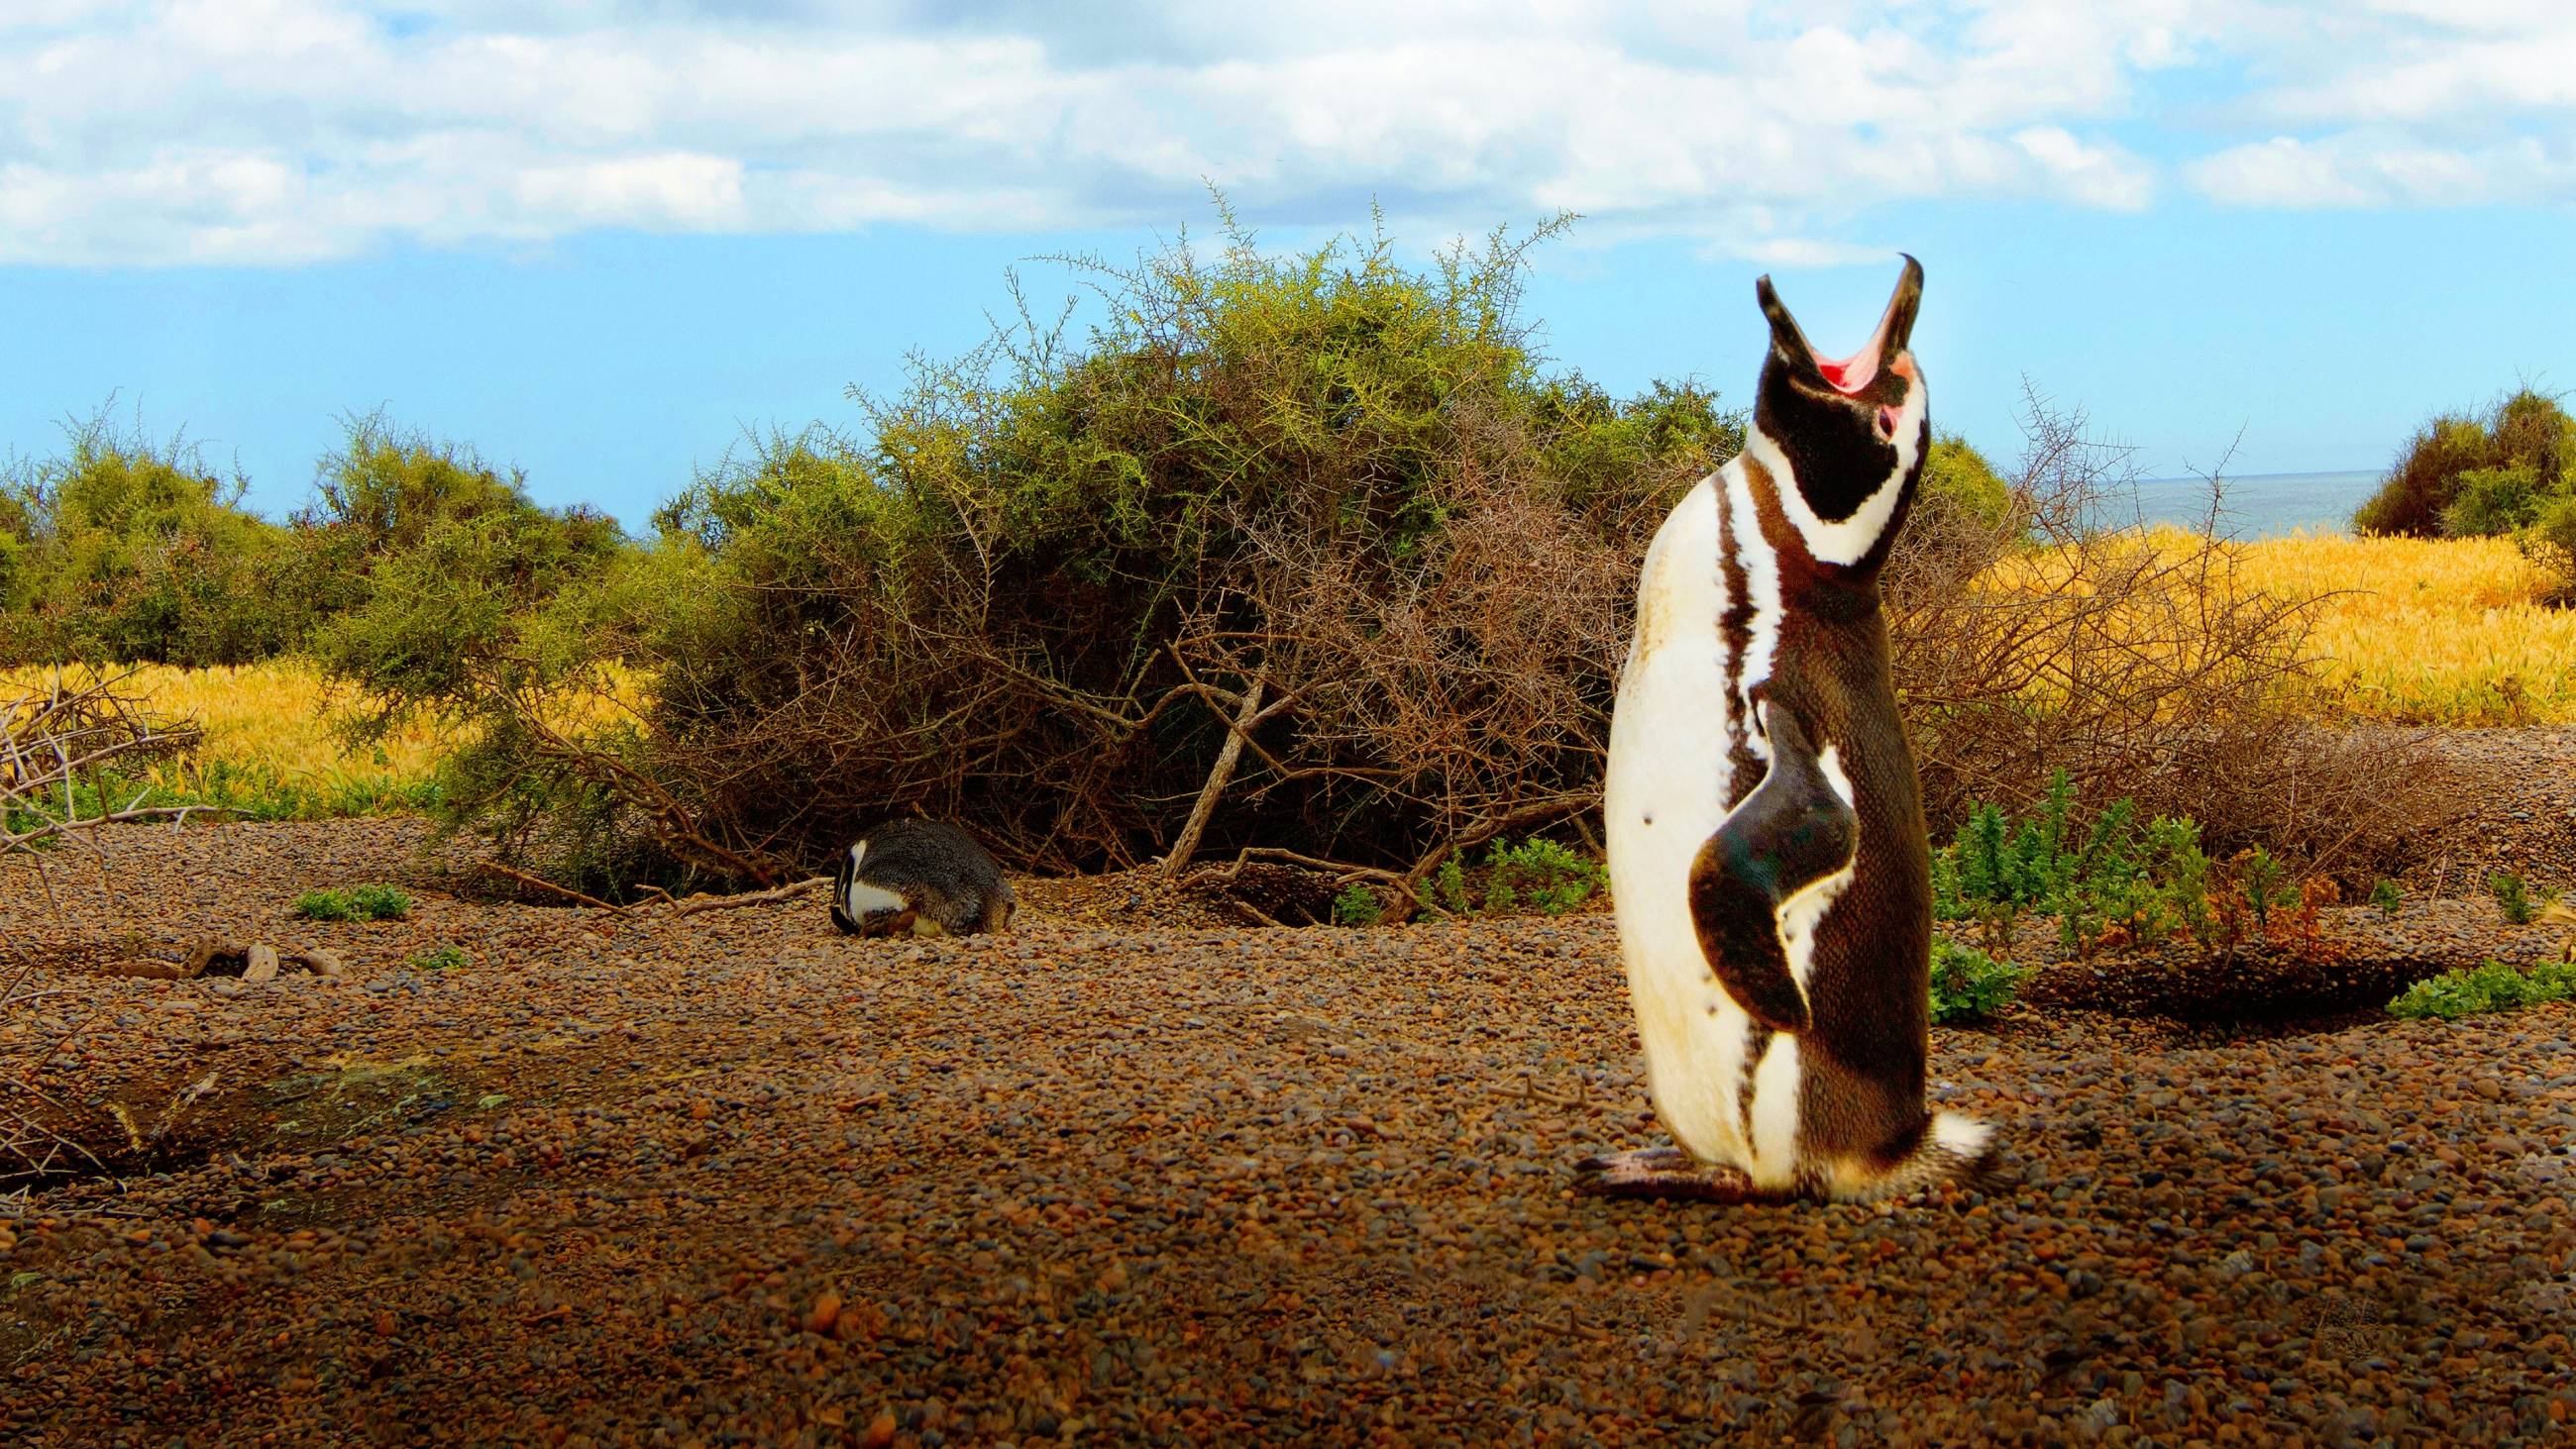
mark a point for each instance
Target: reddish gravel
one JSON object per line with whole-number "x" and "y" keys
{"x": 1121, "y": 1178}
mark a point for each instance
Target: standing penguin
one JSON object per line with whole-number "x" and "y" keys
{"x": 1766, "y": 840}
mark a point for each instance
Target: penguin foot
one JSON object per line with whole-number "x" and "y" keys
{"x": 1669, "y": 1172}
{"x": 1643, "y": 1159}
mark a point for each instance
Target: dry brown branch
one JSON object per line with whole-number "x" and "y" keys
{"x": 540, "y": 883}
{"x": 2059, "y": 638}
{"x": 215, "y": 956}
{"x": 694, "y": 904}
{"x": 1247, "y": 714}
{"x": 55, "y": 740}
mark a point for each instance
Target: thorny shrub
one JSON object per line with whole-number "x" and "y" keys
{"x": 2056, "y": 641}
{"x": 1329, "y": 504}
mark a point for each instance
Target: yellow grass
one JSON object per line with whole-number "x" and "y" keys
{"x": 2405, "y": 630}
{"x": 2429, "y": 631}
{"x": 268, "y": 736}
{"x": 269, "y": 744}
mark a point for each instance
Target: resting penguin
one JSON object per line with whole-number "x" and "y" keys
{"x": 922, "y": 877}
{"x": 1766, "y": 842}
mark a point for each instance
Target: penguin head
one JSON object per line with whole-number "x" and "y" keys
{"x": 1851, "y": 431}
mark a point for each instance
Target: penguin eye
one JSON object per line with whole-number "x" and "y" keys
{"x": 1888, "y": 418}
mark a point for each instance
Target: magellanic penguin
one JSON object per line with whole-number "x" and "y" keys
{"x": 1766, "y": 840}
{"x": 923, "y": 878}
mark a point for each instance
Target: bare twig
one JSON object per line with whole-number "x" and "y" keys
{"x": 538, "y": 882}
{"x": 696, "y": 904}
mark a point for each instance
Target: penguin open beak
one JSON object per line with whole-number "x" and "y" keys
{"x": 1849, "y": 374}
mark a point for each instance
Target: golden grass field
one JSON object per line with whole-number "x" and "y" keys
{"x": 2425, "y": 631}
{"x": 2429, "y": 631}
{"x": 268, "y": 734}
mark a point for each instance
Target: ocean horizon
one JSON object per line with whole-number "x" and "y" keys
{"x": 2258, "y": 505}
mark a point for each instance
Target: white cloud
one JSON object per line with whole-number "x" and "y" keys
{"x": 2093, "y": 175}
{"x": 172, "y": 131}
{"x": 2365, "y": 169}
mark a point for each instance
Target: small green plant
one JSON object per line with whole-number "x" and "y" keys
{"x": 325, "y": 906}
{"x": 365, "y": 903}
{"x": 2183, "y": 870}
{"x": 2385, "y": 895}
{"x": 2116, "y": 877}
{"x": 1550, "y": 877}
{"x": 2115, "y": 880}
{"x": 1535, "y": 875}
{"x": 1449, "y": 887}
{"x": 1357, "y": 905}
{"x": 2266, "y": 885}
{"x": 441, "y": 958}
{"x": 2492, "y": 986}
{"x": 1967, "y": 984}
{"x": 381, "y": 902}
{"x": 2514, "y": 896}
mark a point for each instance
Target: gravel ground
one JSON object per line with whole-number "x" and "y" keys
{"x": 1124, "y": 1176}
{"x": 2524, "y": 783}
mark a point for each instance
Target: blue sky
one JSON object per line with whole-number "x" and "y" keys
{"x": 599, "y": 238}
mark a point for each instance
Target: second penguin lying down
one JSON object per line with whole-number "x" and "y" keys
{"x": 922, "y": 878}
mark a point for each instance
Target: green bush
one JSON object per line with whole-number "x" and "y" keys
{"x": 1967, "y": 984}
{"x": 1545, "y": 876}
{"x": 2551, "y": 541}
{"x": 326, "y": 905}
{"x": 386, "y": 495}
{"x": 2466, "y": 477}
{"x": 2514, "y": 897}
{"x": 2490, "y": 501}
{"x": 1449, "y": 888}
{"x": 1357, "y": 905}
{"x": 2492, "y": 986}
{"x": 1539, "y": 876}
{"x": 1022, "y": 595}
{"x": 2385, "y": 895}
{"x": 362, "y": 903}
{"x": 441, "y": 958}
{"x": 1957, "y": 475}
{"x": 131, "y": 549}
{"x": 2146, "y": 881}
{"x": 381, "y": 902}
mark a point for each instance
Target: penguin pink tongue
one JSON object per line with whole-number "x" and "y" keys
{"x": 1852, "y": 373}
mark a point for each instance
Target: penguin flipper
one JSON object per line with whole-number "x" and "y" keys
{"x": 1794, "y": 829}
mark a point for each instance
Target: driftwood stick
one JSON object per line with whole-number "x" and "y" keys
{"x": 695, "y": 904}
{"x": 1250, "y": 914}
{"x": 215, "y": 956}
{"x": 1218, "y": 777}
{"x": 523, "y": 878}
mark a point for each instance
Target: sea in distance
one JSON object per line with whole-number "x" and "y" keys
{"x": 2260, "y": 505}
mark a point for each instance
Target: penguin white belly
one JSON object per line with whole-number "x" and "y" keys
{"x": 1664, "y": 794}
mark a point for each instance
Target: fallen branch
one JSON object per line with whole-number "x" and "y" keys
{"x": 252, "y": 961}
{"x": 1246, "y": 715}
{"x": 695, "y": 904}
{"x": 541, "y": 883}
{"x": 1250, "y": 914}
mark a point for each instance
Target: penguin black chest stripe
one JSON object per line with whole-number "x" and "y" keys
{"x": 1735, "y": 634}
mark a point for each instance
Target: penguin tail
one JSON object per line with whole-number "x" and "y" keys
{"x": 1948, "y": 1148}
